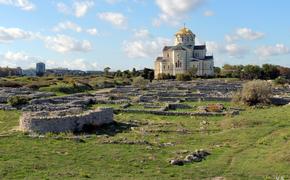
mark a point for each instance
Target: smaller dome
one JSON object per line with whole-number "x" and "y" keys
{"x": 184, "y": 31}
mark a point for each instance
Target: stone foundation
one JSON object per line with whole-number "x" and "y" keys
{"x": 174, "y": 113}
{"x": 64, "y": 121}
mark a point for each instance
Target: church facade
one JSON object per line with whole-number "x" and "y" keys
{"x": 184, "y": 56}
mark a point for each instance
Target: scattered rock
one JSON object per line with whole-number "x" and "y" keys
{"x": 212, "y": 108}
{"x": 125, "y": 106}
{"x": 79, "y": 140}
{"x": 177, "y": 162}
{"x": 166, "y": 144}
{"x": 197, "y": 156}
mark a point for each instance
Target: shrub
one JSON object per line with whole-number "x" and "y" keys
{"x": 183, "y": 77}
{"x": 163, "y": 76}
{"x": 38, "y": 84}
{"x": 280, "y": 80}
{"x": 254, "y": 92}
{"x": 140, "y": 82}
{"x": 16, "y": 101}
{"x": 4, "y": 83}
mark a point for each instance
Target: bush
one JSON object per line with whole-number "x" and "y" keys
{"x": 38, "y": 84}
{"x": 280, "y": 80}
{"x": 183, "y": 77}
{"x": 4, "y": 83}
{"x": 16, "y": 101}
{"x": 140, "y": 82}
{"x": 254, "y": 92}
{"x": 163, "y": 76}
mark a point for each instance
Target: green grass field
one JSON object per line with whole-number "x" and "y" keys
{"x": 253, "y": 145}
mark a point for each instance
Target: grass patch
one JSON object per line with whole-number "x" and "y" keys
{"x": 256, "y": 147}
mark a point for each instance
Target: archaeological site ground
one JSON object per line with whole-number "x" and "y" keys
{"x": 165, "y": 130}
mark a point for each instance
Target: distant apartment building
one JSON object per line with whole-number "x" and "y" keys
{"x": 40, "y": 69}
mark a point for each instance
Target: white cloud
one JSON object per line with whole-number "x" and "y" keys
{"x": 67, "y": 25}
{"x": 233, "y": 50}
{"x": 172, "y": 11}
{"x": 116, "y": 19}
{"x": 208, "y": 13}
{"x": 11, "y": 34}
{"x": 17, "y": 59}
{"x": 25, "y": 5}
{"x": 212, "y": 46}
{"x": 63, "y": 8}
{"x": 15, "y": 56}
{"x": 244, "y": 33}
{"x": 142, "y": 33}
{"x": 249, "y": 34}
{"x": 75, "y": 64}
{"x": 78, "y": 8}
{"x": 82, "y": 7}
{"x": 267, "y": 51}
{"x": 22, "y": 59}
{"x": 64, "y": 43}
{"x": 93, "y": 31}
{"x": 144, "y": 45}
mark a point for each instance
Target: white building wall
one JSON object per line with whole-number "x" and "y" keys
{"x": 200, "y": 54}
{"x": 179, "y": 56}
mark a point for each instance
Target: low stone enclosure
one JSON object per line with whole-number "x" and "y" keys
{"x": 72, "y": 120}
{"x": 170, "y": 113}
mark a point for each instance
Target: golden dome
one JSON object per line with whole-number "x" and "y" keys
{"x": 184, "y": 31}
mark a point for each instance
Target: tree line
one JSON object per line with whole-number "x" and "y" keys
{"x": 244, "y": 72}
{"x": 250, "y": 72}
{"x": 146, "y": 73}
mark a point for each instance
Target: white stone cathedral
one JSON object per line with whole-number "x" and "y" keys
{"x": 183, "y": 56}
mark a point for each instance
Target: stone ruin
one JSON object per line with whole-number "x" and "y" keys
{"x": 6, "y": 93}
{"x": 72, "y": 120}
{"x": 160, "y": 98}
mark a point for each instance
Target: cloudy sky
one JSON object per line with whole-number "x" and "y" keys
{"x": 122, "y": 34}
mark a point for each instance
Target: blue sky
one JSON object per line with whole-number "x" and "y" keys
{"x": 122, "y": 34}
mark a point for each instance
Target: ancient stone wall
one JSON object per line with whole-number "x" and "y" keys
{"x": 175, "y": 113}
{"x": 42, "y": 123}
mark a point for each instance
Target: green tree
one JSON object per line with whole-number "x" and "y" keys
{"x": 284, "y": 71}
{"x": 106, "y": 71}
{"x": 118, "y": 73}
{"x": 251, "y": 72}
{"x": 148, "y": 74}
{"x": 134, "y": 72}
{"x": 270, "y": 71}
{"x": 232, "y": 71}
{"x": 217, "y": 71}
{"x": 127, "y": 74}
